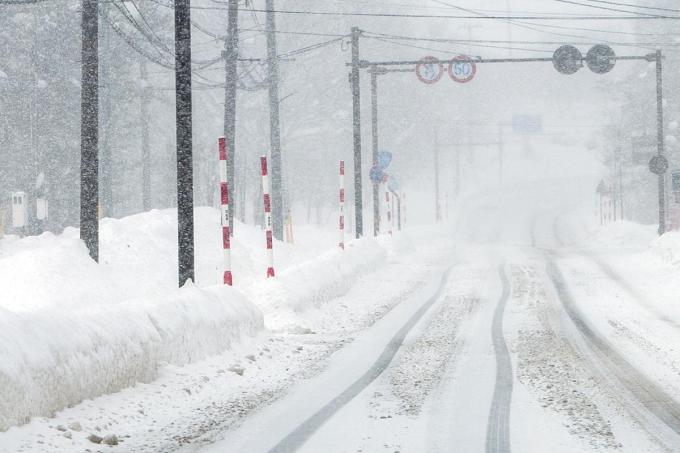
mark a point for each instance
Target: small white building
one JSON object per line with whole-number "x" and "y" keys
{"x": 19, "y": 209}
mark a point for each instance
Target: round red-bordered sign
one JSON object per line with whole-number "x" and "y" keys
{"x": 429, "y": 70}
{"x": 462, "y": 71}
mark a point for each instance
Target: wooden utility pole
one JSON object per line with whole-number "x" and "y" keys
{"x": 185, "y": 172}
{"x": 275, "y": 128}
{"x": 89, "y": 128}
{"x": 356, "y": 123}
{"x": 144, "y": 125}
{"x": 231, "y": 52}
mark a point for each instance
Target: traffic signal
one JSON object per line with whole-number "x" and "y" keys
{"x": 568, "y": 59}
{"x": 601, "y": 59}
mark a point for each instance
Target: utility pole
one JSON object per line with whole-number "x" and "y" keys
{"x": 185, "y": 176}
{"x": 437, "y": 203}
{"x": 621, "y": 189}
{"x": 500, "y": 155}
{"x": 356, "y": 118}
{"x": 105, "y": 165}
{"x": 144, "y": 125}
{"x": 89, "y": 128}
{"x": 231, "y": 52}
{"x": 275, "y": 131}
{"x": 660, "y": 141}
{"x": 456, "y": 187}
{"x": 374, "y": 126}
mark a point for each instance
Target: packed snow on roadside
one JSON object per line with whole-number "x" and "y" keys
{"x": 71, "y": 329}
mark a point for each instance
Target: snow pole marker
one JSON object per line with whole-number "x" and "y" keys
{"x": 342, "y": 204}
{"x": 267, "y": 216}
{"x": 224, "y": 211}
{"x": 393, "y": 211}
{"x": 389, "y": 210}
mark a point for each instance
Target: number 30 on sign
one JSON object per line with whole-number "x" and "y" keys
{"x": 429, "y": 70}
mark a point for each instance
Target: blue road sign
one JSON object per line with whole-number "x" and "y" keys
{"x": 376, "y": 175}
{"x": 527, "y": 124}
{"x": 384, "y": 159}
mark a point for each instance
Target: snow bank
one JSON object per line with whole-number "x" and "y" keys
{"x": 667, "y": 247}
{"x": 314, "y": 282}
{"x": 625, "y": 234}
{"x": 71, "y": 329}
{"x": 53, "y": 358}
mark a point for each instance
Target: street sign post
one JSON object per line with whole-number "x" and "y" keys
{"x": 429, "y": 70}
{"x": 376, "y": 174}
{"x": 567, "y": 60}
{"x": 384, "y": 160}
{"x": 462, "y": 70}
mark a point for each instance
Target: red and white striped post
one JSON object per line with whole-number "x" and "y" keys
{"x": 224, "y": 205}
{"x": 267, "y": 217}
{"x": 342, "y": 204}
{"x": 389, "y": 210}
{"x": 393, "y": 211}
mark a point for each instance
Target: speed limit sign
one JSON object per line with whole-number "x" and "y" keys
{"x": 462, "y": 70}
{"x": 429, "y": 70}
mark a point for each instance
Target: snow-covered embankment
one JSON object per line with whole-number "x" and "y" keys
{"x": 71, "y": 329}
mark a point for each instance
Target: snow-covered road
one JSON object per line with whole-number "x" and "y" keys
{"x": 490, "y": 337}
{"x": 504, "y": 360}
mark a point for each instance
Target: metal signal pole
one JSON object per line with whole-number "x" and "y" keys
{"x": 185, "y": 177}
{"x": 89, "y": 129}
{"x": 274, "y": 118}
{"x": 231, "y": 51}
{"x": 356, "y": 121}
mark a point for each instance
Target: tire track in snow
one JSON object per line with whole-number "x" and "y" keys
{"x": 648, "y": 398}
{"x": 498, "y": 428}
{"x": 655, "y": 407}
{"x": 293, "y": 441}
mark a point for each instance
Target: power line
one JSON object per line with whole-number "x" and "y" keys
{"x": 526, "y": 25}
{"x": 636, "y": 6}
{"x": 22, "y": 2}
{"x": 430, "y": 16}
{"x": 488, "y": 41}
{"x": 390, "y": 41}
{"x": 609, "y": 9}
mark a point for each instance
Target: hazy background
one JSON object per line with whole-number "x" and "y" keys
{"x": 589, "y": 121}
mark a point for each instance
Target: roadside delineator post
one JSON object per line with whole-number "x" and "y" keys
{"x": 389, "y": 210}
{"x": 224, "y": 211}
{"x": 267, "y": 217}
{"x": 393, "y": 211}
{"x": 342, "y": 204}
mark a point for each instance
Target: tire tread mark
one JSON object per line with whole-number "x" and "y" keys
{"x": 650, "y": 395}
{"x": 294, "y": 440}
{"x": 498, "y": 427}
